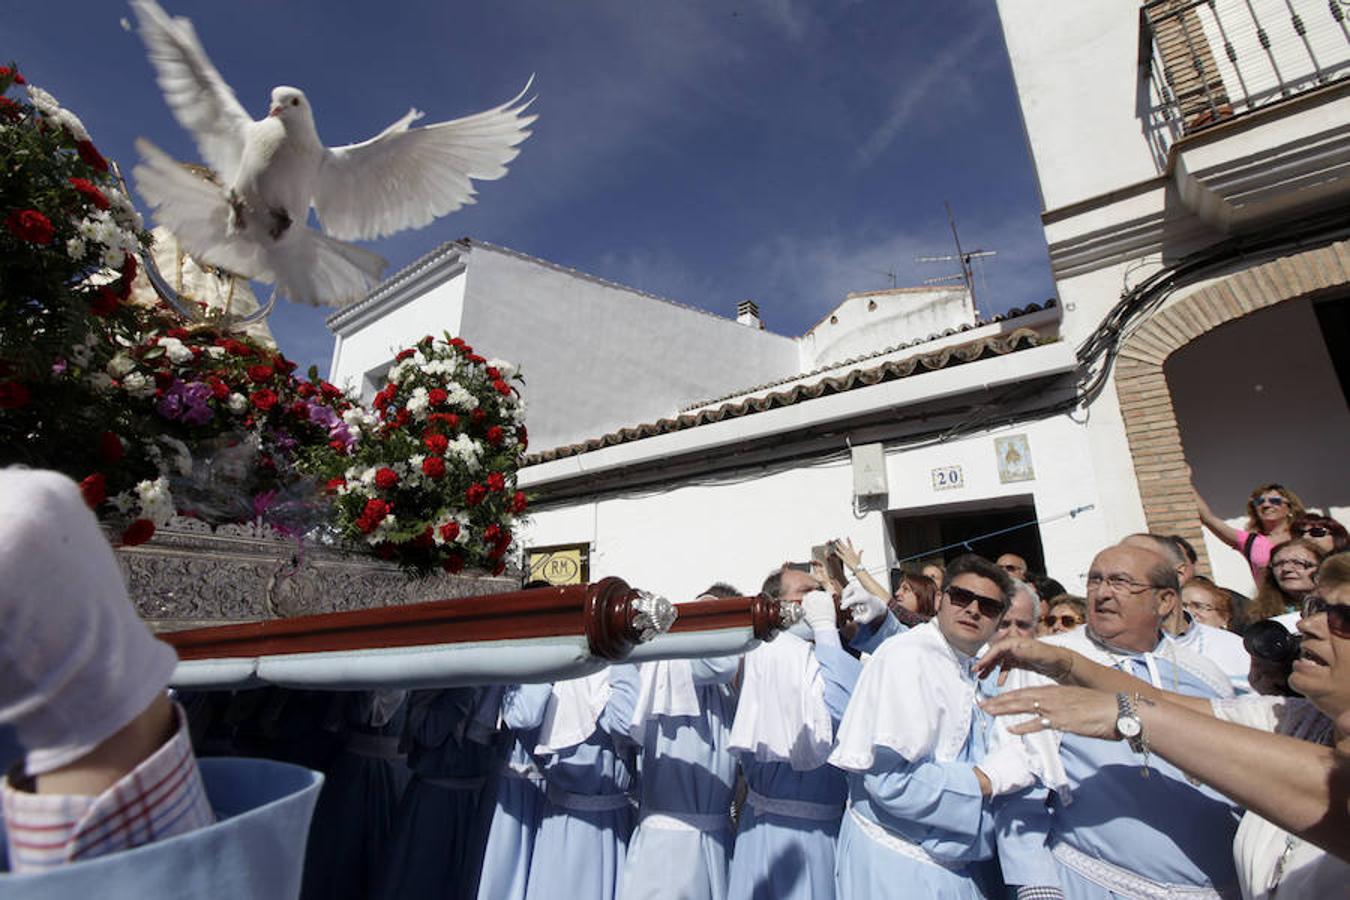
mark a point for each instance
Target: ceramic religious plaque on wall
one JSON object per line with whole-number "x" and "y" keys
{"x": 1014, "y": 459}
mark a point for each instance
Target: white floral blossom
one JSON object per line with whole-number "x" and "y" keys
{"x": 156, "y": 501}
{"x": 124, "y": 502}
{"x": 53, "y": 111}
{"x": 100, "y": 381}
{"x": 237, "y": 403}
{"x": 417, "y": 403}
{"x": 466, "y": 450}
{"x": 458, "y": 397}
{"x": 178, "y": 351}
{"x": 138, "y": 385}
{"x": 75, "y": 248}
{"x": 215, "y": 352}
{"x": 507, "y": 369}
{"x": 120, "y": 365}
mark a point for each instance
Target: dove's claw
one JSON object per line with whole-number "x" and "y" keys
{"x": 281, "y": 220}
{"x": 237, "y": 221}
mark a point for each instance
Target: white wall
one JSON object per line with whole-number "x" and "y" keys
{"x": 678, "y": 541}
{"x": 900, "y": 316}
{"x": 597, "y": 356}
{"x": 374, "y": 344}
{"x": 1074, "y": 64}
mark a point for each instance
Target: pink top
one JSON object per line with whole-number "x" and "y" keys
{"x": 1259, "y": 557}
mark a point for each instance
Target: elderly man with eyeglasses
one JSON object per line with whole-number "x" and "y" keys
{"x": 924, "y": 774}
{"x": 1112, "y": 826}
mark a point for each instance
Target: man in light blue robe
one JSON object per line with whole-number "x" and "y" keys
{"x": 519, "y": 805}
{"x": 924, "y": 773}
{"x": 683, "y": 838}
{"x": 589, "y": 766}
{"x": 792, "y": 698}
{"x": 1122, "y": 824}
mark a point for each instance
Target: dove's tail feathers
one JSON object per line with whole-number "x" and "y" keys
{"x": 405, "y": 177}
{"x": 317, "y": 270}
{"x": 197, "y": 212}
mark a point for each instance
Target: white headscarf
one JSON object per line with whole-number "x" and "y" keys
{"x": 782, "y": 716}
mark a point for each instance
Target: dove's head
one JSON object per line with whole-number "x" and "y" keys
{"x": 289, "y": 104}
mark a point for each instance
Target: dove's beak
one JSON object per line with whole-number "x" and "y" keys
{"x": 274, "y": 111}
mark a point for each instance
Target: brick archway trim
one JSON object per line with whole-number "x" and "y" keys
{"x": 1146, "y": 401}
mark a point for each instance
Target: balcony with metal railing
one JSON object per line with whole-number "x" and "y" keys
{"x": 1247, "y": 103}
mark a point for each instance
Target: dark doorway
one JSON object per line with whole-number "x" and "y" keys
{"x": 919, "y": 535}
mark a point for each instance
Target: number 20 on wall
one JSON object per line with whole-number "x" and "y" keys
{"x": 945, "y": 478}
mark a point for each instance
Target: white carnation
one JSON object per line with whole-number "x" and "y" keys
{"x": 417, "y": 403}
{"x": 237, "y": 403}
{"x": 120, "y": 365}
{"x": 178, "y": 352}
{"x": 138, "y": 385}
{"x": 215, "y": 352}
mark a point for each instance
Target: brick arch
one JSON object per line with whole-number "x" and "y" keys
{"x": 1146, "y": 401}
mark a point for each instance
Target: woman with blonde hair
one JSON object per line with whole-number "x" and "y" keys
{"x": 1271, "y": 509}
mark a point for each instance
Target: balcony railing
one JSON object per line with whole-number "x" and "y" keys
{"x": 1210, "y": 60}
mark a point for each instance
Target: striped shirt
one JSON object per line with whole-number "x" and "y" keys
{"x": 160, "y": 798}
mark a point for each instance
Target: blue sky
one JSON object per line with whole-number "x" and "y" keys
{"x": 788, "y": 151}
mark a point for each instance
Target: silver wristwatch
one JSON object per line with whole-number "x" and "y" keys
{"x": 1130, "y": 726}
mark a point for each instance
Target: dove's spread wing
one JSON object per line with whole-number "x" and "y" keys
{"x": 405, "y": 177}
{"x": 200, "y": 99}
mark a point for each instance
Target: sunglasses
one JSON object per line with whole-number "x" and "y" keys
{"x": 1066, "y": 620}
{"x": 1271, "y": 500}
{"x": 1338, "y": 614}
{"x": 1315, "y": 531}
{"x": 989, "y": 607}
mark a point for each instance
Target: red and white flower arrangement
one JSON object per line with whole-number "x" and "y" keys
{"x": 432, "y": 482}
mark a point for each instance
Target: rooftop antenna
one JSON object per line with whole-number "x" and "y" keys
{"x": 889, "y": 274}
{"x": 964, "y": 257}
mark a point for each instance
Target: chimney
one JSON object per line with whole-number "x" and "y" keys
{"x": 747, "y": 313}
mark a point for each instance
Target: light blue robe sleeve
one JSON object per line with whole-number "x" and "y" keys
{"x": 870, "y": 636}
{"x": 716, "y": 670}
{"x": 940, "y": 798}
{"x": 624, "y": 685}
{"x": 840, "y": 672}
{"x": 1021, "y": 828}
{"x": 523, "y": 705}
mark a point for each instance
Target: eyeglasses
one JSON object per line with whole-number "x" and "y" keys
{"x": 1118, "y": 583}
{"x": 1270, "y": 500}
{"x": 1191, "y": 606}
{"x": 1303, "y": 564}
{"x": 1338, "y": 614}
{"x": 1314, "y": 531}
{"x": 1067, "y": 621}
{"x": 989, "y": 606}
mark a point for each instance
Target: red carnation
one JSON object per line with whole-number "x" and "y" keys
{"x": 386, "y": 478}
{"x": 433, "y": 467}
{"x": 424, "y": 539}
{"x": 138, "y": 532}
{"x": 449, "y": 531}
{"x": 437, "y": 396}
{"x": 371, "y": 515}
{"x": 339, "y": 446}
{"x": 92, "y": 158}
{"x": 499, "y": 567}
{"x": 491, "y": 533}
{"x": 282, "y": 364}
{"x": 428, "y": 339}
{"x": 13, "y": 395}
{"x": 454, "y": 562}
{"x": 450, "y": 419}
{"x": 493, "y": 372}
{"x": 7, "y": 72}
{"x": 259, "y": 374}
{"x": 305, "y": 389}
{"x": 436, "y": 443}
{"x": 501, "y": 387}
{"x": 335, "y": 483}
{"x": 89, "y": 191}
{"x": 163, "y": 380}
{"x": 30, "y": 225}
{"x": 263, "y": 399}
{"x": 403, "y": 354}
{"x": 178, "y": 334}
{"x": 458, "y": 343}
{"x": 104, "y": 302}
{"x": 496, "y": 482}
{"x": 474, "y": 494}
{"x": 476, "y": 359}
{"x": 219, "y": 389}
{"x": 495, "y": 435}
{"x": 522, "y": 437}
{"x": 9, "y": 109}
{"x": 94, "y": 489}
{"x": 332, "y": 392}
{"x": 479, "y": 415}
{"x": 519, "y": 502}
{"x": 110, "y": 447}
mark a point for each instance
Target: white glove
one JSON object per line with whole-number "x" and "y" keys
{"x": 1007, "y": 769}
{"x": 818, "y": 611}
{"x": 79, "y": 663}
{"x": 864, "y": 606}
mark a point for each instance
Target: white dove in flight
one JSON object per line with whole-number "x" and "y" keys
{"x": 274, "y": 169}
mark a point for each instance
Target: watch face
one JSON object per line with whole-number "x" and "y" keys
{"x": 1128, "y": 726}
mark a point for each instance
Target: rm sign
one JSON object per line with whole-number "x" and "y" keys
{"x": 946, "y": 478}
{"x": 560, "y": 565}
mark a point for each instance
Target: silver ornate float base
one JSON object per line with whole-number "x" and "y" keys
{"x": 190, "y": 576}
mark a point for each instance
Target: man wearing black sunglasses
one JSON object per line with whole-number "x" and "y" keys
{"x": 924, "y": 769}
